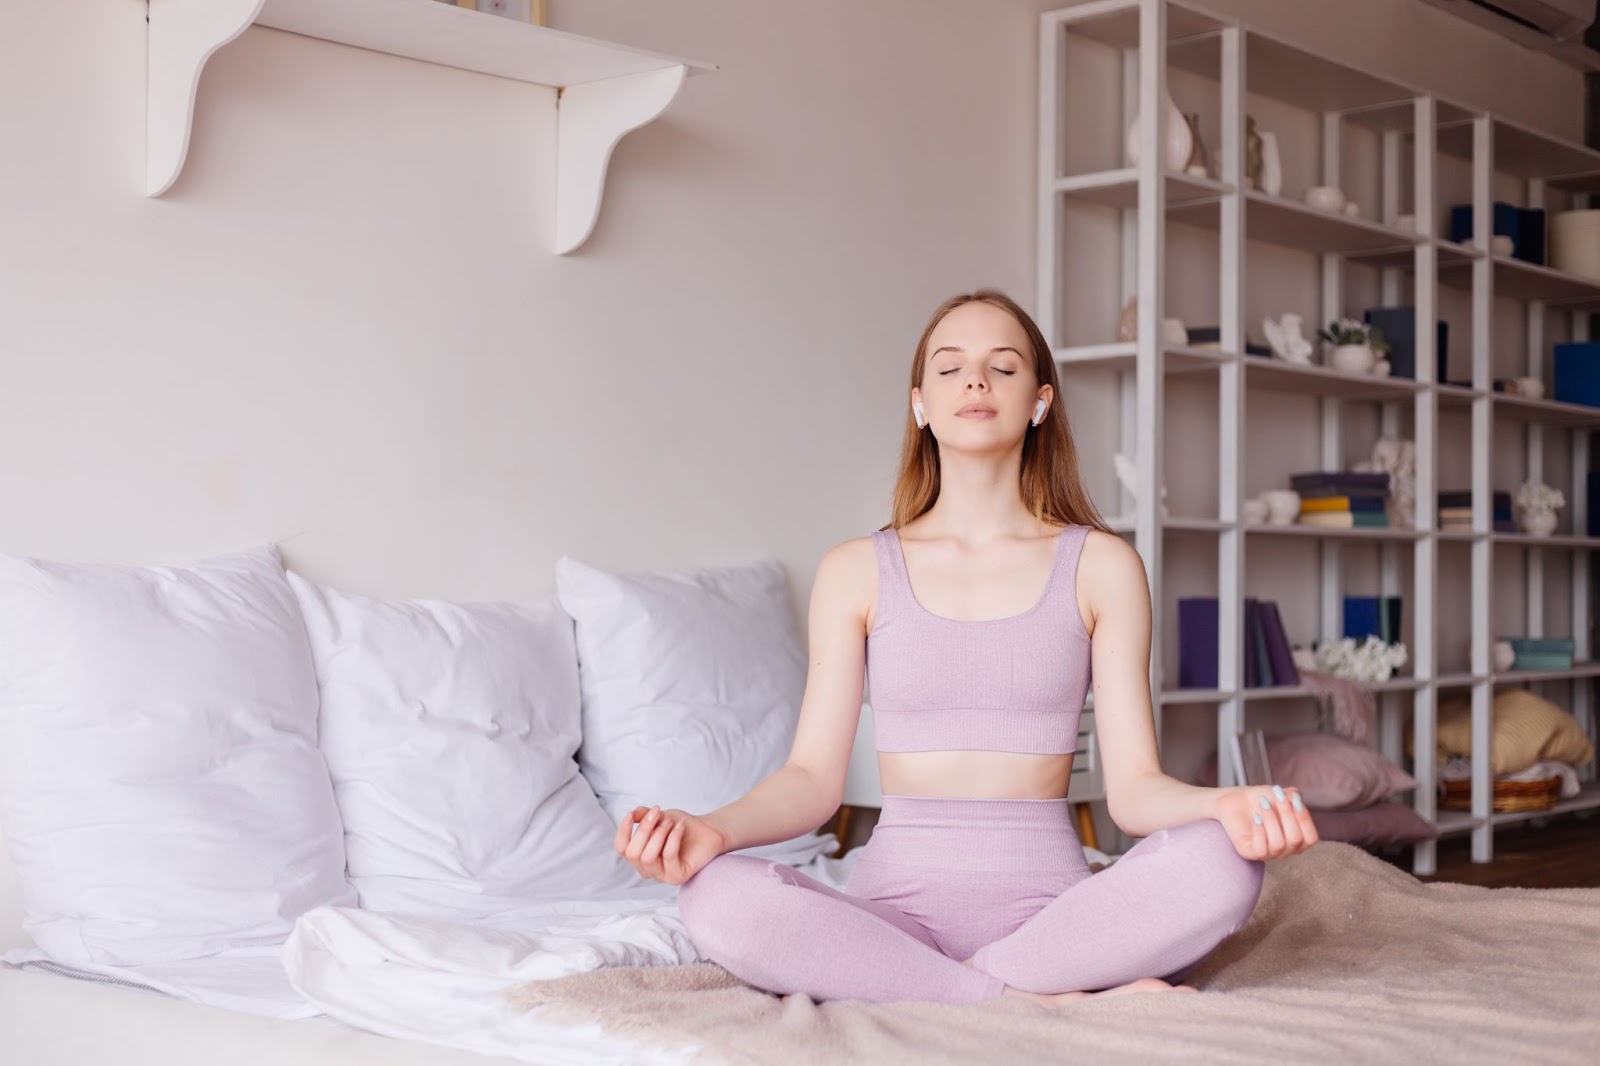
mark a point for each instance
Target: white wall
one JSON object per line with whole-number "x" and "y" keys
{"x": 341, "y": 328}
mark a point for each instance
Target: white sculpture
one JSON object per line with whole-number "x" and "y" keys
{"x": 1398, "y": 459}
{"x": 1287, "y": 338}
{"x": 1129, "y": 478}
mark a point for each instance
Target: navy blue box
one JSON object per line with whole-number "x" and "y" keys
{"x": 1399, "y": 326}
{"x": 1507, "y": 222}
{"x": 1577, "y": 373}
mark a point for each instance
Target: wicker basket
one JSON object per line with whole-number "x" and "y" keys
{"x": 1508, "y": 795}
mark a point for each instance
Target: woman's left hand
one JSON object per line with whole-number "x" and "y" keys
{"x": 1266, "y": 821}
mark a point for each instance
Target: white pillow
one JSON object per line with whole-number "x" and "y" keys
{"x": 692, "y": 683}
{"x": 450, "y": 731}
{"x": 162, "y": 790}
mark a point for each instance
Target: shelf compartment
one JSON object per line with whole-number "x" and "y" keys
{"x": 1554, "y": 540}
{"x": 1579, "y": 670}
{"x": 1295, "y": 529}
{"x": 601, "y": 90}
{"x": 1518, "y": 280}
{"x": 1122, "y": 356}
{"x": 1120, "y": 188}
{"x": 1283, "y": 376}
{"x": 1281, "y": 221}
{"x": 1546, "y": 412}
{"x": 1446, "y": 251}
{"x": 1526, "y": 153}
{"x": 1289, "y": 692}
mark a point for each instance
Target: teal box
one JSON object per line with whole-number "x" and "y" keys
{"x": 1577, "y": 373}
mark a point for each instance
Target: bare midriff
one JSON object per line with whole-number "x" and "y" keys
{"x": 974, "y": 774}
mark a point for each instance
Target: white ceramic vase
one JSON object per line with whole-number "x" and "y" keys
{"x": 1575, "y": 242}
{"x": 1352, "y": 358}
{"x": 1177, "y": 139}
{"x": 1540, "y": 523}
{"x": 1503, "y": 656}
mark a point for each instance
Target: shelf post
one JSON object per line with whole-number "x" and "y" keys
{"x": 1482, "y": 689}
{"x": 1230, "y": 407}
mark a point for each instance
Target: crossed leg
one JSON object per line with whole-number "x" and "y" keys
{"x": 783, "y": 931}
{"x": 1156, "y": 911}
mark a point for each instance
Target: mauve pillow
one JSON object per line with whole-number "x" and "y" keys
{"x": 1383, "y": 823}
{"x": 1333, "y": 773}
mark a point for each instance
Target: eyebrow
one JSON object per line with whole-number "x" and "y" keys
{"x": 955, "y": 348}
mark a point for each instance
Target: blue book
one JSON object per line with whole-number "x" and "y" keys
{"x": 1252, "y": 664}
{"x": 1258, "y": 635}
{"x": 1361, "y": 617}
{"x": 1282, "y": 655}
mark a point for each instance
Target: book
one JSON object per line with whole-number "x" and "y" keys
{"x": 1258, "y": 635}
{"x": 1197, "y": 642}
{"x": 1355, "y": 478}
{"x": 1279, "y": 651}
{"x": 1345, "y": 519}
{"x": 1342, "y": 503}
{"x": 1540, "y": 644}
{"x": 1252, "y": 667}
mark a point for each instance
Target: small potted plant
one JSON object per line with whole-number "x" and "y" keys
{"x": 1354, "y": 346}
{"x": 1537, "y": 504}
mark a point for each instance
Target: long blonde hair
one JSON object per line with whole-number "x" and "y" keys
{"x": 1050, "y": 481}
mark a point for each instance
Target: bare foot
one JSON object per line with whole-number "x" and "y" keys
{"x": 1144, "y": 984}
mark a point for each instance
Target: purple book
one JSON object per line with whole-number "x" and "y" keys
{"x": 1252, "y": 665}
{"x": 1197, "y": 642}
{"x": 1278, "y": 648}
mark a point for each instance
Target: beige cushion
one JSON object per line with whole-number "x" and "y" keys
{"x": 1527, "y": 728}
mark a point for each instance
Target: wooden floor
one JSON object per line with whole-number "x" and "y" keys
{"x": 1564, "y": 852}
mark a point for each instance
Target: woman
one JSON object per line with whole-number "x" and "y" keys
{"x": 974, "y": 883}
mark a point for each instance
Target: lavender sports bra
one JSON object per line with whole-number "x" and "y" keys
{"x": 999, "y": 684}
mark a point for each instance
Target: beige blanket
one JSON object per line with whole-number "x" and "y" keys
{"x": 1346, "y": 959}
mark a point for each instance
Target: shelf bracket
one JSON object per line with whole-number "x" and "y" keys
{"x": 183, "y": 34}
{"x": 591, "y": 118}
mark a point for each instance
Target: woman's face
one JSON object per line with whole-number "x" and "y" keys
{"x": 978, "y": 356}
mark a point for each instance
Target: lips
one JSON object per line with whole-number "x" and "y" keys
{"x": 975, "y": 410}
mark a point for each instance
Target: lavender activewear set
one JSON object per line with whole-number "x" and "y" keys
{"x": 1002, "y": 881}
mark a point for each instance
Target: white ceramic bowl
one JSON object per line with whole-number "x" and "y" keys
{"x": 1283, "y": 506}
{"x": 1325, "y": 197}
{"x": 1255, "y": 510}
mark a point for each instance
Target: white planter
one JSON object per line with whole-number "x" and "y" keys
{"x": 1537, "y": 523}
{"x": 1352, "y": 358}
{"x": 1575, "y": 242}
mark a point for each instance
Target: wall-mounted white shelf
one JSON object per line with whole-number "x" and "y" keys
{"x": 602, "y": 90}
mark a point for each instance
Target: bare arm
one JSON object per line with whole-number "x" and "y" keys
{"x": 1139, "y": 796}
{"x": 803, "y": 793}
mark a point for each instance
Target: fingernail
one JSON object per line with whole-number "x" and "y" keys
{"x": 1277, "y": 790}
{"x": 1266, "y": 804}
{"x": 1297, "y": 804}
{"x": 1257, "y": 817}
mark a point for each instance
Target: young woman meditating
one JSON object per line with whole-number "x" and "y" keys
{"x": 977, "y": 617}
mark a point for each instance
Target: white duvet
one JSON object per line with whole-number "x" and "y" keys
{"x": 442, "y": 981}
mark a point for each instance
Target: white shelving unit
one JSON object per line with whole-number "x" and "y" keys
{"x": 1415, "y": 129}
{"x": 598, "y": 90}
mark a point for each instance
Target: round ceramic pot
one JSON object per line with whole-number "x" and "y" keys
{"x": 1537, "y": 523}
{"x": 1352, "y": 358}
{"x": 1283, "y": 506}
{"x": 1503, "y": 656}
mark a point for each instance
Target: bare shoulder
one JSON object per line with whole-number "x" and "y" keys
{"x": 1108, "y": 569}
{"x": 847, "y": 579}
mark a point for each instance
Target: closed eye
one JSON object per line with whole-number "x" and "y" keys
{"x": 952, "y": 370}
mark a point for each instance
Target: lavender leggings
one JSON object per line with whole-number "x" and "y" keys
{"x": 1002, "y": 881}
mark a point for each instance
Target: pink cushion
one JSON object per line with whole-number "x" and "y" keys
{"x": 1331, "y": 772}
{"x": 1384, "y": 822}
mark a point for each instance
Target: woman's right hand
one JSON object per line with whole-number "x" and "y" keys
{"x": 671, "y": 845}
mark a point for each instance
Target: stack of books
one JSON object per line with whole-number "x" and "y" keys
{"x": 1268, "y": 657}
{"x": 1372, "y": 616}
{"x": 1342, "y": 499}
{"x": 1541, "y": 653}
{"x": 1455, "y": 512}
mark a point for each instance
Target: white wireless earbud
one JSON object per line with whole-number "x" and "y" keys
{"x": 916, "y": 410}
{"x": 1038, "y": 411}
